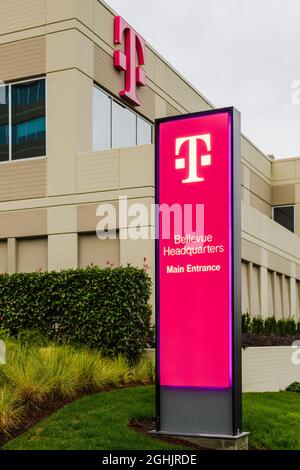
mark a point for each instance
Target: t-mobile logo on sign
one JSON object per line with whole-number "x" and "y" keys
{"x": 130, "y": 60}
{"x": 193, "y": 157}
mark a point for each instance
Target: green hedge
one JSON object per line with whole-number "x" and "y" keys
{"x": 257, "y": 325}
{"x": 105, "y": 308}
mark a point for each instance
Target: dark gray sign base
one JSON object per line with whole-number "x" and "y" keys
{"x": 210, "y": 442}
{"x": 196, "y": 411}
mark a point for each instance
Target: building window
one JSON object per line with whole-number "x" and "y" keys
{"x": 115, "y": 125}
{"x": 4, "y": 123}
{"x": 23, "y": 120}
{"x": 144, "y": 132}
{"x": 101, "y": 120}
{"x": 123, "y": 126}
{"x": 285, "y": 216}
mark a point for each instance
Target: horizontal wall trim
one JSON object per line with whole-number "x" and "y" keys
{"x": 268, "y": 203}
{"x": 271, "y": 249}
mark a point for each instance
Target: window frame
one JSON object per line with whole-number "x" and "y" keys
{"x": 3, "y": 85}
{"x": 294, "y": 211}
{"x": 9, "y": 85}
{"x": 133, "y": 111}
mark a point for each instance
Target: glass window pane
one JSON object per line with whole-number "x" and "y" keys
{"x": 124, "y": 126}
{"x": 41, "y": 127}
{"x": 4, "y": 122}
{"x": 101, "y": 120}
{"x": 285, "y": 216}
{"x": 144, "y": 132}
{"x": 28, "y": 119}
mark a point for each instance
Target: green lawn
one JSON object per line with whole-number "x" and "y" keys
{"x": 100, "y": 422}
{"x": 273, "y": 419}
{"x": 97, "y": 422}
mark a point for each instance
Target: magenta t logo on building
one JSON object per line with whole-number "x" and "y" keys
{"x": 192, "y": 160}
{"x": 130, "y": 60}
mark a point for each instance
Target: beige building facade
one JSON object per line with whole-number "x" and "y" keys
{"x": 57, "y": 69}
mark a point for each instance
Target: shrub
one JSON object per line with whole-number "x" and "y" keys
{"x": 280, "y": 327}
{"x": 259, "y": 326}
{"x": 107, "y": 309}
{"x": 270, "y": 326}
{"x": 290, "y": 328}
{"x": 294, "y": 387}
{"x": 286, "y": 327}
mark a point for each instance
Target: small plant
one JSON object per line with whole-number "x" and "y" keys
{"x": 4, "y": 334}
{"x": 58, "y": 368}
{"x": 144, "y": 371}
{"x": 246, "y": 322}
{"x": 87, "y": 367}
{"x": 11, "y": 410}
{"x": 146, "y": 266}
{"x": 25, "y": 374}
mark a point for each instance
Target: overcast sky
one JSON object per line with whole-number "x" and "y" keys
{"x": 244, "y": 53}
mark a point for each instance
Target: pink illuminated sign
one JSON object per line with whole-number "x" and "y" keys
{"x": 194, "y": 265}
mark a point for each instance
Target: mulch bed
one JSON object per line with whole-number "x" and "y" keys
{"x": 251, "y": 340}
{"x": 149, "y": 424}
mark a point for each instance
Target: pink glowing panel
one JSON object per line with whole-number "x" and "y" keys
{"x": 194, "y": 291}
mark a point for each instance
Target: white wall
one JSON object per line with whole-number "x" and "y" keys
{"x": 269, "y": 369}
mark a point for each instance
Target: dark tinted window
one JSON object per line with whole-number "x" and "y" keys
{"x": 28, "y": 120}
{"x": 284, "y": 215}
{"x": 4, "y": 123}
